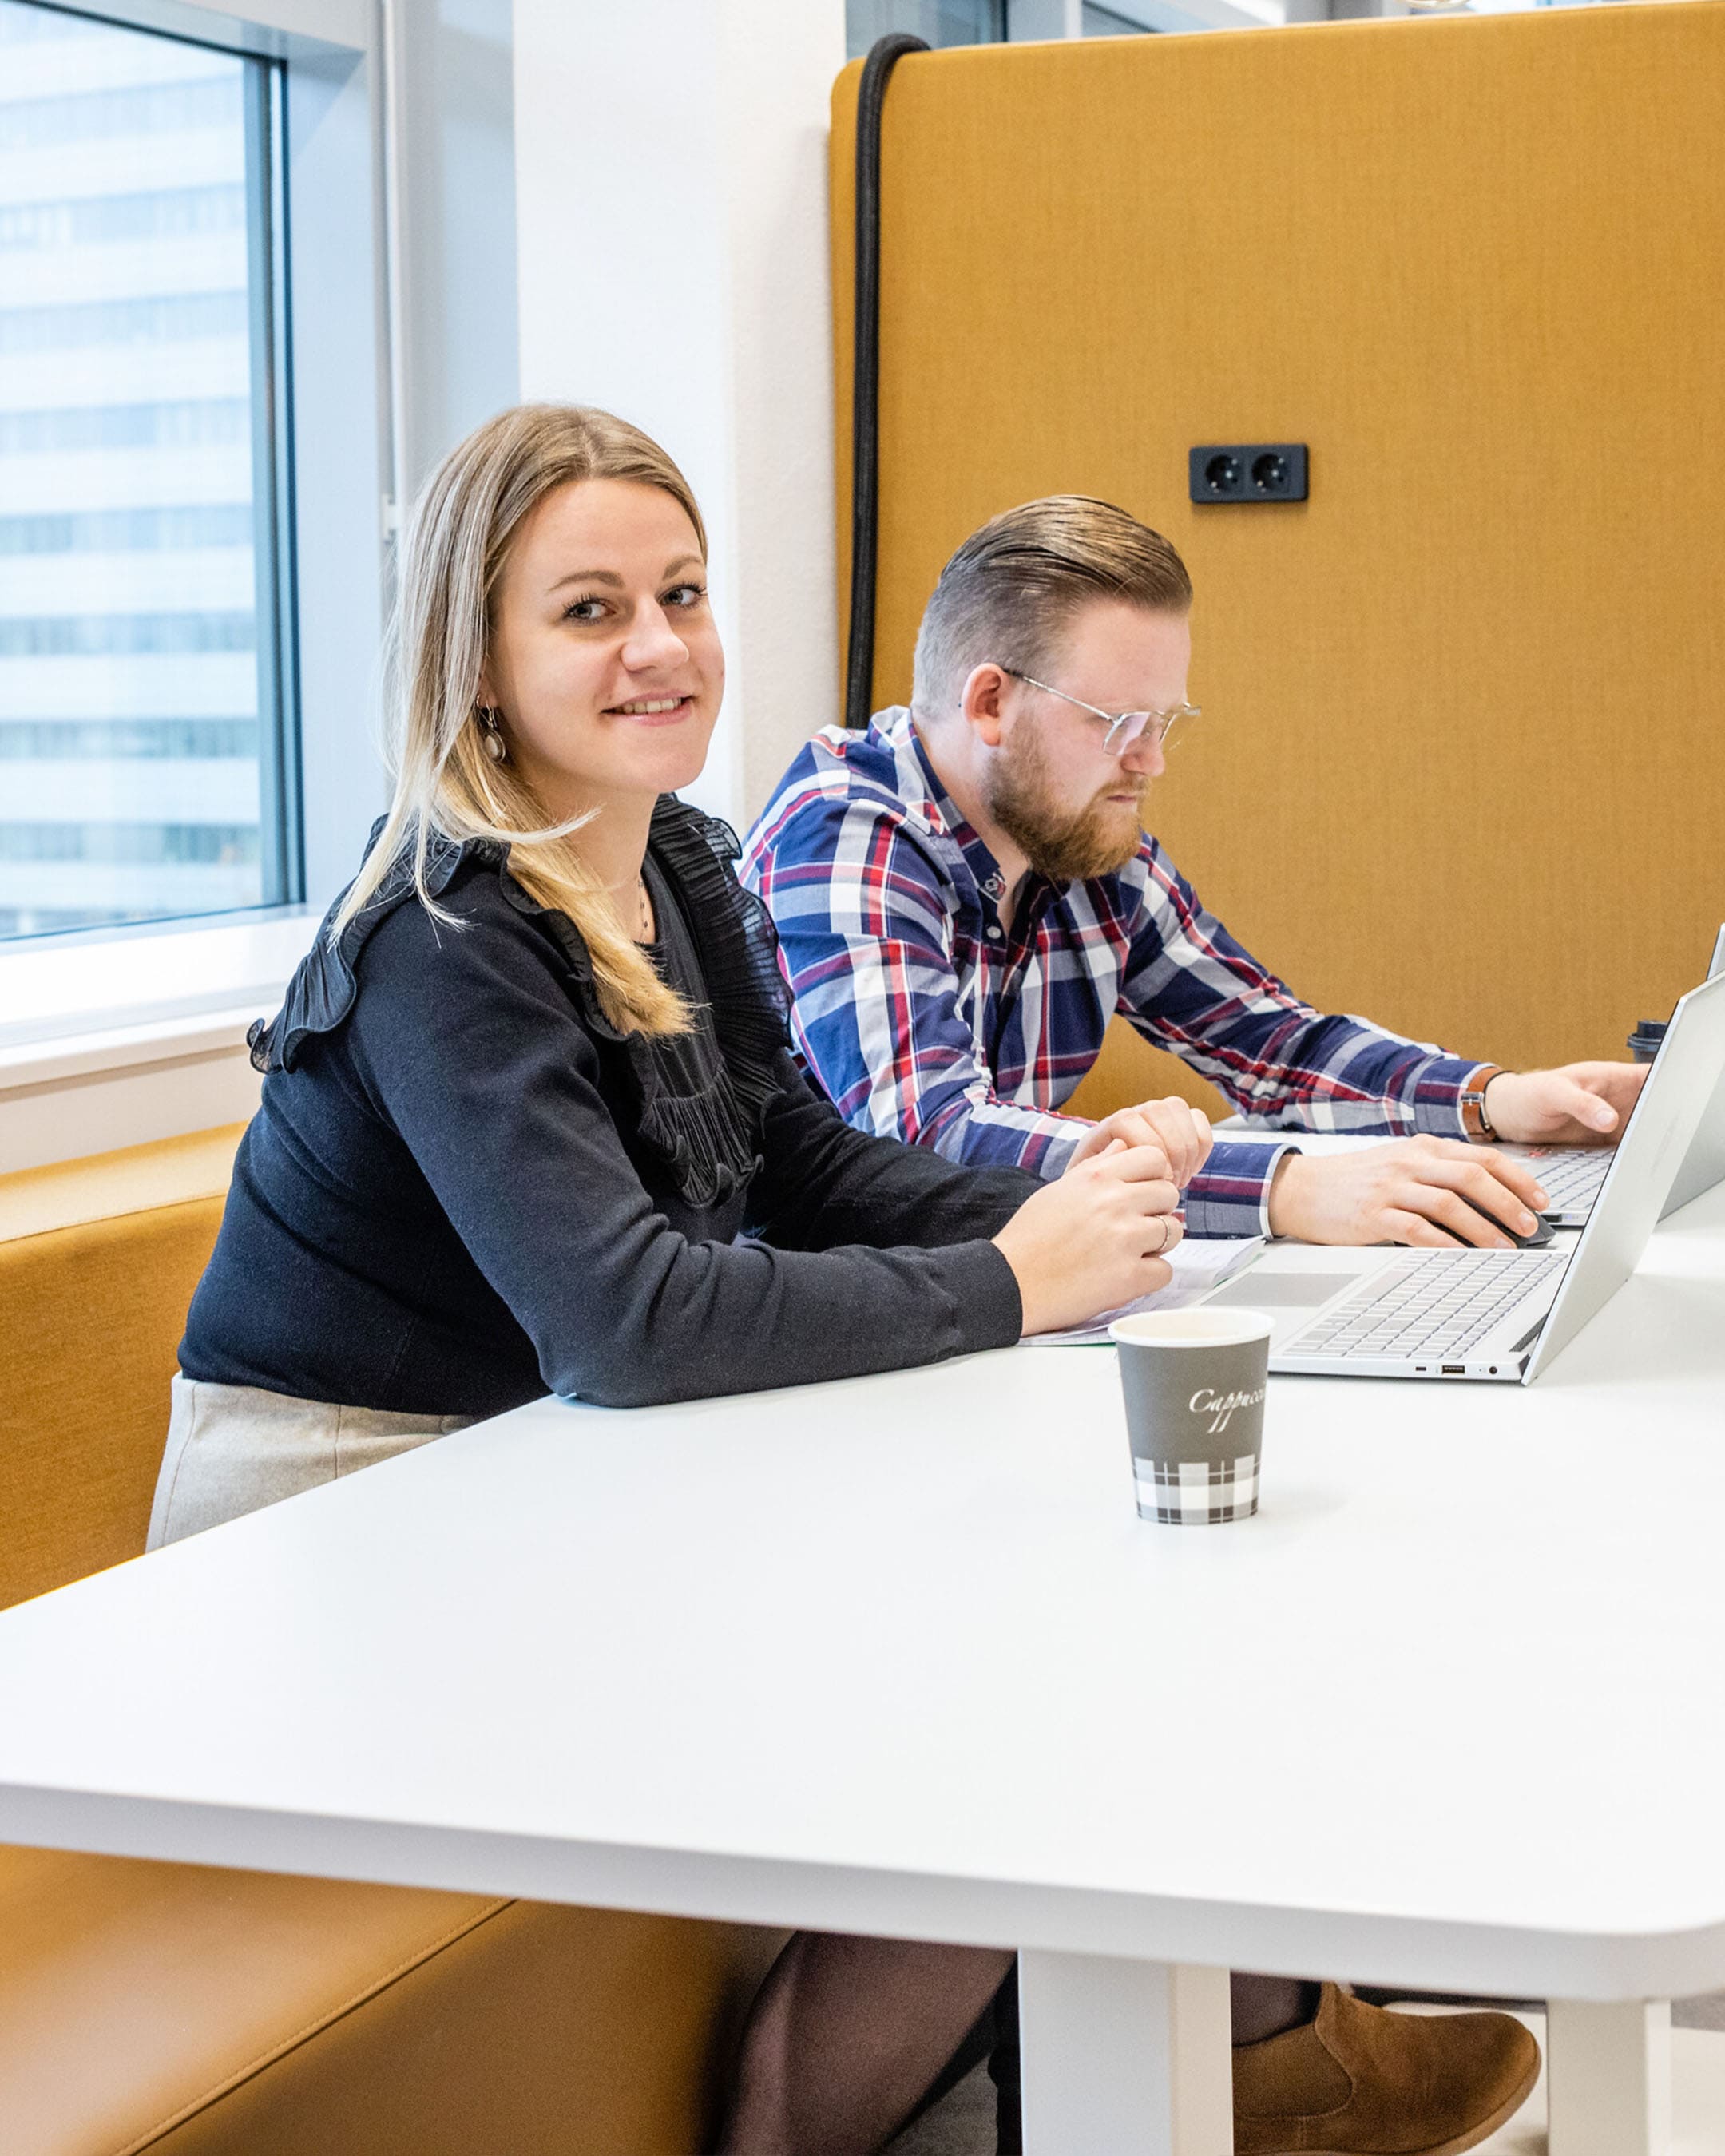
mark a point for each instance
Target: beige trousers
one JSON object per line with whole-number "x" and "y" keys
{"x": 234, "y": 1447}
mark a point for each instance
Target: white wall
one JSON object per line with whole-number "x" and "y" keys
{"x": 671, "y": 203}
{"x": 454, "y": 111}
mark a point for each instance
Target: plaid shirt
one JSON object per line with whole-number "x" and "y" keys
{"x": 927, "y": 1020}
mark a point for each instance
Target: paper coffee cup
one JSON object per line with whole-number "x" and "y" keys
{"x": 1195, "y": 1382}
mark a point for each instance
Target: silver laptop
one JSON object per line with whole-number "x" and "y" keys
{"x": 1494, "y": 1314}
{"x": 1571, "y": 1175}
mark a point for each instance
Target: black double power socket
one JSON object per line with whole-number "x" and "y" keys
{"x": 1248, "y": 471}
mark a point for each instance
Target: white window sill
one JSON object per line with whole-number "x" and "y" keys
{"x": 73, "y": 1006}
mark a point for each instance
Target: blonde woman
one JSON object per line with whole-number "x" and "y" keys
{"x": 529, "y": 1123}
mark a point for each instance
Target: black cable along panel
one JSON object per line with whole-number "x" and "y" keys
{"x": 884, "y": 56}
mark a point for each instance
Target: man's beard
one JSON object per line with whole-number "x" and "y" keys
{"x": 1098, "y": 840}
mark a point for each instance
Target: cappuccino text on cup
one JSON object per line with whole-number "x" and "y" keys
{"x": 1193, "y": 1382}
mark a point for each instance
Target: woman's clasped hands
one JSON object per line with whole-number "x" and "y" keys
{"x": 1100, "y": 1236}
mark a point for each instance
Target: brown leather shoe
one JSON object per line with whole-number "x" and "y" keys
{"x": 1360, "y": 2082}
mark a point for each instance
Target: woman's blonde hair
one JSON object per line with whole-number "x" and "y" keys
{"x": 452, "y": 553}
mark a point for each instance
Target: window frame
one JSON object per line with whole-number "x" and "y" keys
{"x": 280, "y": 820}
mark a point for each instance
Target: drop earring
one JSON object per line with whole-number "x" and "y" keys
{"x": 491, "y": 732}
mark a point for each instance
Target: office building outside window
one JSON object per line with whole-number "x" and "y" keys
{"x": 147, "y": 764}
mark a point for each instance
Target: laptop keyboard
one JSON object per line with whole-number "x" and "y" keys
{"x": 1439, "y": 1304}
{"x": 1569, "y": 1176}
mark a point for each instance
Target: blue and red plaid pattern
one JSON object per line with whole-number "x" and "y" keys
{"x": 925, "y": 1020}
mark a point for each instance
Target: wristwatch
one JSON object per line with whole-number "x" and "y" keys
{"x": 1476, "y": 1123}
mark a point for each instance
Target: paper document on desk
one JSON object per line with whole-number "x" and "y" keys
{"x": 1199, "y": 1266}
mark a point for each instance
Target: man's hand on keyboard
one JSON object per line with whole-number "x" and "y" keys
{"x": 1582, "y": 1104}
{"x": 1421, "y": 1191}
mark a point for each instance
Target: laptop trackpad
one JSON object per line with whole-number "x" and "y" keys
{"x": 1265, "y": 1290}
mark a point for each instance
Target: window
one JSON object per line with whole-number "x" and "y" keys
{"x": 991, "y": 22}
{"x": 936, "y": 21}
{"x": 148, "y": 759}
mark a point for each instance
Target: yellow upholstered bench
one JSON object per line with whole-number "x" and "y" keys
{"x": 203, "y": 2012}
{"x": 198, "y": 2012}
{"x": 98, "y": 1260}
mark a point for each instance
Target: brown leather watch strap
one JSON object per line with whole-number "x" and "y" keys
{"x": 1476, "y": 1123}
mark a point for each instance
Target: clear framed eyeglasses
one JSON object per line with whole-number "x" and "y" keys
{"x": 1124, "y": 727}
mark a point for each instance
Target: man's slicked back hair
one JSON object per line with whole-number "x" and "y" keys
{"x": 1011, "y": 589}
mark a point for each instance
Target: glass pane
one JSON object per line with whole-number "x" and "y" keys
{"x": 936, "y": 21}
{"x": 1519, "y": 6}
{"x": 140, "y": 732}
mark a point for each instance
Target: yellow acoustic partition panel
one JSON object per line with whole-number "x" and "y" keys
{"x": 1462, "y": 761}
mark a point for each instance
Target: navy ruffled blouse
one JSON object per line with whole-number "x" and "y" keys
{"x": 465, "y": 1187}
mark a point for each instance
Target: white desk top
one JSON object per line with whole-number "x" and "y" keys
{"x": 897, "y": 1655}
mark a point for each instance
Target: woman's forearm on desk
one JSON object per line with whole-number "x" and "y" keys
{"x": 484, "y": 1071}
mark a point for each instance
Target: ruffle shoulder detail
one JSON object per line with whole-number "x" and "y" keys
{"x": 321, "y": 991}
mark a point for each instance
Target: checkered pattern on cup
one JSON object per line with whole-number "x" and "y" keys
{"x": 1197, "y": 1493}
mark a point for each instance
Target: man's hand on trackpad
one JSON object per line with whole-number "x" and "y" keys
{"x": 1435, "y": 1193}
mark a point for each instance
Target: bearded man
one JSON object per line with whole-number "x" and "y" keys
{"x": 965, "y": 895}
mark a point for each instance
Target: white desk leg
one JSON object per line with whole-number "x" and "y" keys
{"x": 1609, "y": 2078}
{"x": 1124, "y": 2058}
